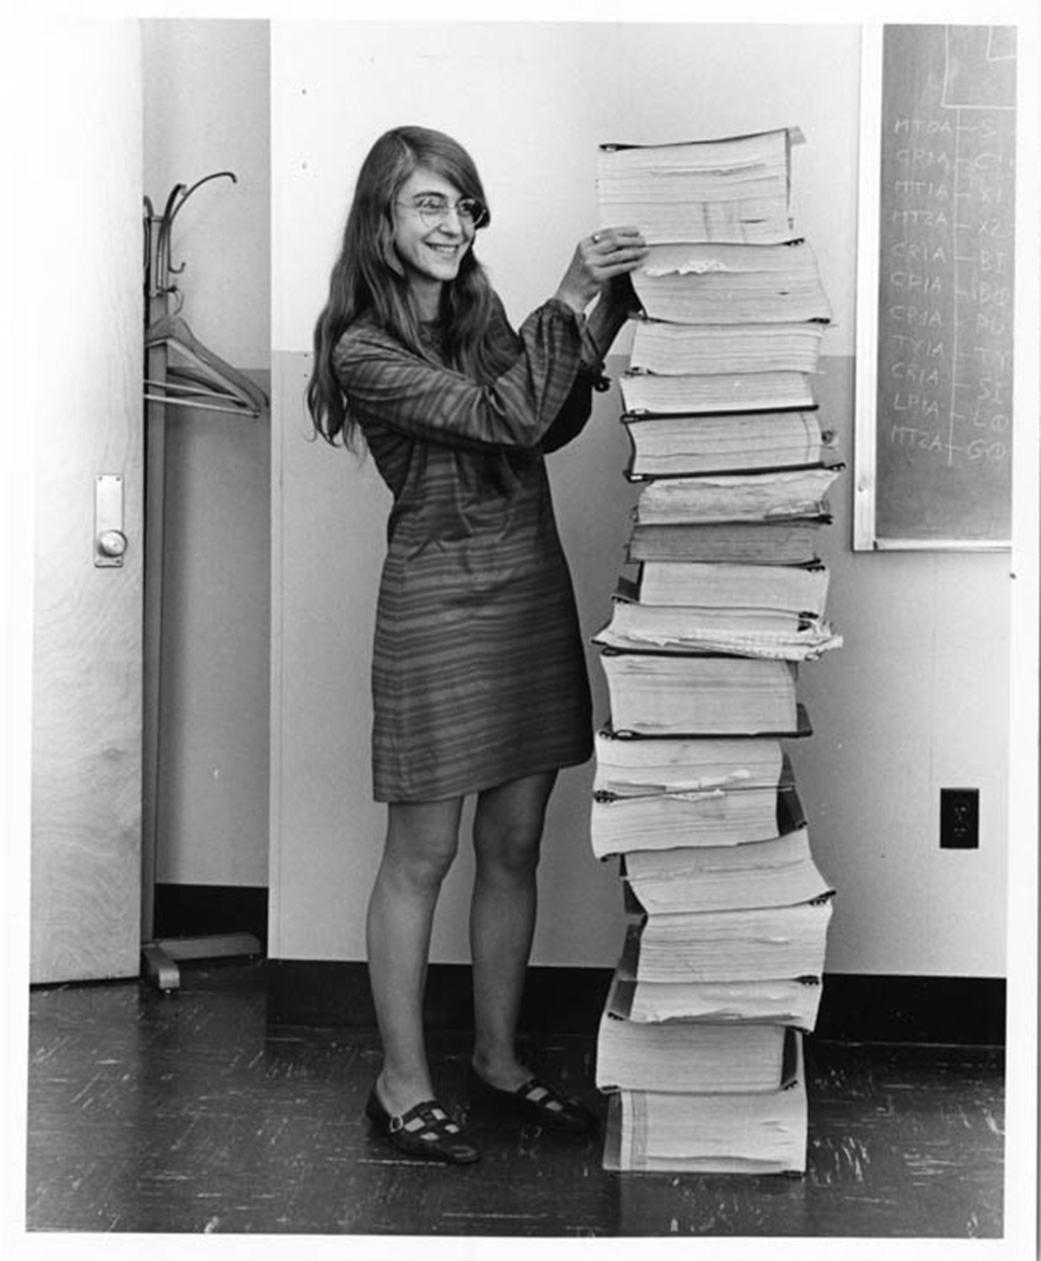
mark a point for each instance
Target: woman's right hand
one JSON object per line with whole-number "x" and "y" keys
{"x": 597, "y": 260}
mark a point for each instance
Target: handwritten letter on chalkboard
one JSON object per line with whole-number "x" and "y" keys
{"x": 934, "y": 442}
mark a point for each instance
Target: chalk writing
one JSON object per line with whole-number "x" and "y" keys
{"x": 946, "y": 279}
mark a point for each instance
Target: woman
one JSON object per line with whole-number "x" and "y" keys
{"x": 479, "y": 681}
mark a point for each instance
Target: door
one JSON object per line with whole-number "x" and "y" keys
{"x": 87, "y": 613}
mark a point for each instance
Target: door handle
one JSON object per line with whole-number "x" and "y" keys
{"x": 110, "y": 543}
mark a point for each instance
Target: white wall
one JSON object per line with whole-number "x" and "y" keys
{"x": 206, "y": 110}
{"x": 916, "y": 700}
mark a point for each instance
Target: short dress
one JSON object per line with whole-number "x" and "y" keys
{"x": 479, "y": 673}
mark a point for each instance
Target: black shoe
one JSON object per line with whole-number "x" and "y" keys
{"x": 535, "y": 1101}
{"x": 426, "y": 1131}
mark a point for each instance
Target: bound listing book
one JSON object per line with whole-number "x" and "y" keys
{"x": 748, "y": 1132}
{"x": 660, "y": 818}
{"x": 745, "y": 944}
{"x": 735, "y": 497}
{"x": 659, "y": 694}
{"x": 637, "y": 768}
{"x": 696, "y": 349}
{"x": 704, "y": 283}
{"x": 775, "y": 872}
{"x": 770, "y": 633}
{"x": 734, "y": 189}
{"x": 792, "y": 541}
{"x": 692, "y": 393}
{"x": 675, "y": 446}
{"x": 791, "y": 1001}
{"x": 677, "y": 1057}
{"x": 790, "y": 588}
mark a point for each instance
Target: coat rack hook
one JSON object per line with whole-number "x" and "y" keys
{"x": 174, "y": 203}
{"x": 149, "y": 215}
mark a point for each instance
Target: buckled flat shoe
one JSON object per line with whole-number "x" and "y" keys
{"x": 425, "y": 1131}
{"x": 535, "y": 1101}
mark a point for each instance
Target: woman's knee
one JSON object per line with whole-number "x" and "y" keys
{"x": 508, "y": 824}
{"x": 508, "y": 844}
{"x": 511, "y": 849}
{"x": 421, "y": 842}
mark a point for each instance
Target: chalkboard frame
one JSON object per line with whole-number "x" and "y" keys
{"x": 866, "y": 536}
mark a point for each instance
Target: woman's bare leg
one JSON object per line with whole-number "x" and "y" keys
{"x": 421, "y": 843}
{"x": 508, "y": 826}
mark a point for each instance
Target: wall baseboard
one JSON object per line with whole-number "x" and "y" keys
{"x": 952, "y": 1010}
{"x": 968, "y": 1011}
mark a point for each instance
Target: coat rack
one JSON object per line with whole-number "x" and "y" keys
{"x": 179, "y": 372}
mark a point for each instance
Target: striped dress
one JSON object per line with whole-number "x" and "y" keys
{"x": 478, "y": 672}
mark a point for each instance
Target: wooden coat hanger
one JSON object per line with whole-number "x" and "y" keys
{"x": 184, "y": 387}
{"x": 228, "y": 389}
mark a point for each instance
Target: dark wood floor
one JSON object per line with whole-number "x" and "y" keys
{"x": 185, "y": 1113}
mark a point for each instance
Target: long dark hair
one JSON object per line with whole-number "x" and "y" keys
{"x": 368, "y": 275}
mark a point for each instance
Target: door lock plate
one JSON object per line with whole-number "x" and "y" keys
{"x": 110, "y": 543}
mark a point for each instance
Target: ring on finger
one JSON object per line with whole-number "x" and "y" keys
{"x": 595, "y": 238}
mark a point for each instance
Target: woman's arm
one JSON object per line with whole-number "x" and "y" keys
{"x": 606, "y": 261}
{"x": 617, "y": 303}
{"x": 572, "y": 417}
{"x": 395, "y": 387}
{"x": 391, "y": 385}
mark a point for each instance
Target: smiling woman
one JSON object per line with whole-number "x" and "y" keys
{"x": 479, "y": 682}
{"x": 433, "y": 229}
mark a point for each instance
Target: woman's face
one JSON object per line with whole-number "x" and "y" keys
{"x": 430, "y": 250}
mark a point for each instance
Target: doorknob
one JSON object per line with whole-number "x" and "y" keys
{"x": 110, "y": 543}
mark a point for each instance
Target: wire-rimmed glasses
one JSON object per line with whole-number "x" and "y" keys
{"x": 434, "y": 210}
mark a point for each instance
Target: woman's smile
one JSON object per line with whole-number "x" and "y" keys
{"x": 451, "y": 250}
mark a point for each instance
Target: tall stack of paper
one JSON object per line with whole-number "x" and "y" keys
{"x": 700, "y": 1043}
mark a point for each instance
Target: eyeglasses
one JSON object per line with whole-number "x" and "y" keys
{"x": 470, "y": 212}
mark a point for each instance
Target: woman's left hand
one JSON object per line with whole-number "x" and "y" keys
{"x": 613, "y": 252}
{"x": 598, "y": 260}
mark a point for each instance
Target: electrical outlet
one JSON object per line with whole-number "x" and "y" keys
{"x": 959, "y": 818}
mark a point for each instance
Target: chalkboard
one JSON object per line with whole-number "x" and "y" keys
{"x": 943, "y": 326}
